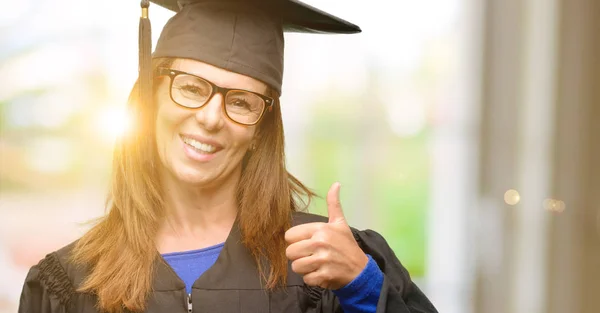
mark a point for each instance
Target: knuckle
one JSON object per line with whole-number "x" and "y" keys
{"x": 321, "y": 226}
{"x": 322, "y": 258}
{"x": 312, "y": 280}
{"x": 324, "y": 274}
{"x": 323, "y": 237}
{"x": 307, "y": 280}
{"x": 318, "y": 243}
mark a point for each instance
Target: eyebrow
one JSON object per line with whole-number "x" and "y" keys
{"x": 263, "y": 87}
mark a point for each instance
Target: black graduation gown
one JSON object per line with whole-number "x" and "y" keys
{"x": 231, "y": 285}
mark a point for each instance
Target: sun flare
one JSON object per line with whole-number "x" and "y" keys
{"x": 113, "y": 123}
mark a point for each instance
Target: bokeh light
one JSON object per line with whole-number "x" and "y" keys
{"x": 554, "y": 205}
{"x": 512, "y": 197}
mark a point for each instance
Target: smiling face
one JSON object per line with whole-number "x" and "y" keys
{"x": 202, "y": 146}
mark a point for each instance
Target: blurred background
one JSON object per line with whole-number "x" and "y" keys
{"x": 467, "y": 132}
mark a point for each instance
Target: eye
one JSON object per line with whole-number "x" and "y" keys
{"x": 193, "y": 90}
{"x": 243, "y": 102}
{"x": 240, "y": 103}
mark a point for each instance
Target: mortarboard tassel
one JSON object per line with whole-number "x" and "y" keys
{"x": 145, "y": 83}
{"x": 145, "y": 56}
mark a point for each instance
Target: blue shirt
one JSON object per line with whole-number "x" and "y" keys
{"x": 189, "y": 265}
{"x": 359, "y": 296}
{"x": 362, "y": 294}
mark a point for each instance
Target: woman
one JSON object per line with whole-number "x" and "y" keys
{"x": 203, "y": 215}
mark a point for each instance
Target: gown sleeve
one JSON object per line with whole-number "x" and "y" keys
{"x": 47, "y": 288}
{"x": 398, "y": 293}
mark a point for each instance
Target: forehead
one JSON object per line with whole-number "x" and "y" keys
{"x": 219, "y": 76}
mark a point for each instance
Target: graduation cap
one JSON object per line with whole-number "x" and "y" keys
{"x": 242, "y": 36}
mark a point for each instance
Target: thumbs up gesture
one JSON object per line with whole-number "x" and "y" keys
{"x": 326, "y": 254}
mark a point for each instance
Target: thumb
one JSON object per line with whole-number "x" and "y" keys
{"x": 334, "y": 207}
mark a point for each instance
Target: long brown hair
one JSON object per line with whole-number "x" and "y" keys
{"x": 119, "y": 252}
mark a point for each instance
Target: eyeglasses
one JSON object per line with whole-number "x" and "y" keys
{"x": 190, "y": 91}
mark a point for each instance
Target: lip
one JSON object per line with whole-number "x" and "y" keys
{"x": 193, "y": 154}
{"x": 203, "y": 140}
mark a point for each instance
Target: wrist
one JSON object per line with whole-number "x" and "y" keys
{"x": 368, "y": 273}
{"x": 362, "y": 265}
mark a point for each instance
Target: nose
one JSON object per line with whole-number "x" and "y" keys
{"x": 210, "y": 115}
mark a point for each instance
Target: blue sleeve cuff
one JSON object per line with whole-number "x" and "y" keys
{"x": 362, "y": 294}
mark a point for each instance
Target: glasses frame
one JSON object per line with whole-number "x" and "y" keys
{"x": 163, "y": 71}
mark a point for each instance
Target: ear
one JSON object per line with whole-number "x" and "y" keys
{"x": 257, "y": 136}
{"x": 253, "y": 143}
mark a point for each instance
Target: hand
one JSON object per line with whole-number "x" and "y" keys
{"x": 326, "y": 254}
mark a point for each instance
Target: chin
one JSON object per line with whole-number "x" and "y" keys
{"x": 194, "y": 176}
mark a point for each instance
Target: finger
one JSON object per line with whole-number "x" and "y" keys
{"x": 300, "y": 249}
{"x": 305, "y": 265}
{"x": 302, "y": 232}
{"x": 317, "y": 278}
{"x": 334, "y": 207}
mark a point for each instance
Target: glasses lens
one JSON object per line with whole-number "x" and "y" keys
{"x": 190, "y": 91}
{"x": 244, "y": 107}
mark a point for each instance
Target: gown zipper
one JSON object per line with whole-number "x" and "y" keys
{"x": 189, "y": 303}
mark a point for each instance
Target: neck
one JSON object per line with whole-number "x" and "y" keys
{"x": 199, "y": 215}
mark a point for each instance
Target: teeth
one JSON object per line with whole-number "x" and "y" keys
{"x": 198, "y": 145}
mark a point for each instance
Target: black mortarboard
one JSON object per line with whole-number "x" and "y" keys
{"x": 243, "y": 36}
